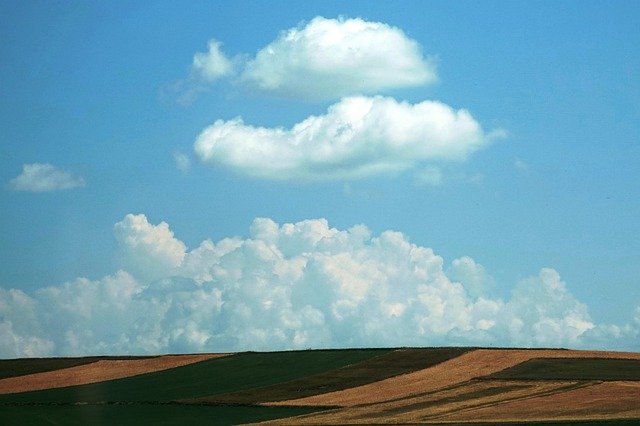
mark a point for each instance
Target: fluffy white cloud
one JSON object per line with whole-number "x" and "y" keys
{"x": 542, "y": 312}
{"x": 331, "y": 58}
{"x": 211, "y": 65}
{"x": 44, "y": 177}
{"x": 294, "y": 285}
{"x": 357, "y": 137}
{"x": 148, "y": 251}
{"x": 472, "y": 275}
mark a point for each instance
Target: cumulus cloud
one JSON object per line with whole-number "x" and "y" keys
{"x": 472, "y": 275}
{"x": 292, "y": 285}
{"x": 357, "y": 137}
{"x": 212, "y": 64}
{"x": 44, "y": 177}
{"x": 332, "y": 58}
{"x": 149, "y": 251}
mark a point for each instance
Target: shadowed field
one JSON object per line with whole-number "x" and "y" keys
{"x": 357, "y": 386}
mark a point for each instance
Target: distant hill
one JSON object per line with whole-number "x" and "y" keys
{"x": 350, "y": 386}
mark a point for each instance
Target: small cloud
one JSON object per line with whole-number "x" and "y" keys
{"x": 206, "y": 68}
{"x": 183, "y": 162}
{"x": 212, "y": 64}
{"x": 44, "y": 177}
{"x": 331, "y": 58}
{"x": 324, "y": 59}
{"x": 520, "y": 165}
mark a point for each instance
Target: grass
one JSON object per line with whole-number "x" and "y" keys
{"x": 368, "y": 371}
{"x": 23, "y": 366}
{"x": 221, "y": 375}
{"x": 604, "y": 369}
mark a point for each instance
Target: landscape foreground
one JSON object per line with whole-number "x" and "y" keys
{"x": 332, "y": 387}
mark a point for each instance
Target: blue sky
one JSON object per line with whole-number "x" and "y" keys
{"x": 100, "y": 99}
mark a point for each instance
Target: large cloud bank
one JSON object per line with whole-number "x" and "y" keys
{"x": 357, "y": 137}
{"x": 291, "y": 286}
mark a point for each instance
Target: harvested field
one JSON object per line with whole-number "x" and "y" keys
{"x": 397, "y": 362}
{"x": 357, "y": 386}
{"x": 468, "y": 366}
{"x": 437, "y": 406}
{"x": 24, "y": 366}
{"x": 98, "y": 371}
{"x": 609, "y": 400}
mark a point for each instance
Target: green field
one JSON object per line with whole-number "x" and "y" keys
{"x": 141, "y": 414}
{"x": 572, "y": 369}
{"x": 221, "y": 375}
{"x": 229, "y": 389}
{"x": 368, "y": 371}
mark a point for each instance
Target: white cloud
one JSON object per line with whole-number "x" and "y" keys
{"x": 545, "y": 313}
{"x": 357, "y": 137}
{"x": 294, "y": 285}
{"x": 44, "y": 177}
{"x": 211, "y": 65}
{"x": 331, "y": 58}
{"x": 148, "y": 251}
{"x": 183, "y": 162}
{"x": 472, "y": 275}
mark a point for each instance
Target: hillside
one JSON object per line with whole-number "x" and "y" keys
{"x": 351, "y": 386}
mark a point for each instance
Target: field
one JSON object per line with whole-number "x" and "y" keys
{"x": 351, "y": 386}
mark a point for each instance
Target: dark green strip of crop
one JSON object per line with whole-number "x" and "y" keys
{"x": 221, "y": 375}
{"x": 572, "y": 369}
{"x": 382, "y": 367}
{"x": 143, "y": 414}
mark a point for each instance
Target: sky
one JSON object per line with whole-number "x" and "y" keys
{"x": 278, "y": 175}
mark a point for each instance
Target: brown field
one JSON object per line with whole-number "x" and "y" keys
{"x": 99, "y": 371}
{"x": 458, "y": 390}
{"x": 401, "y": 386}
{"x": 471, "y": 365}
{"x": 598, "y": 401}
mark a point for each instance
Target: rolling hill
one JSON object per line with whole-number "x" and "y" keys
{"x": 350, "y": 386}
